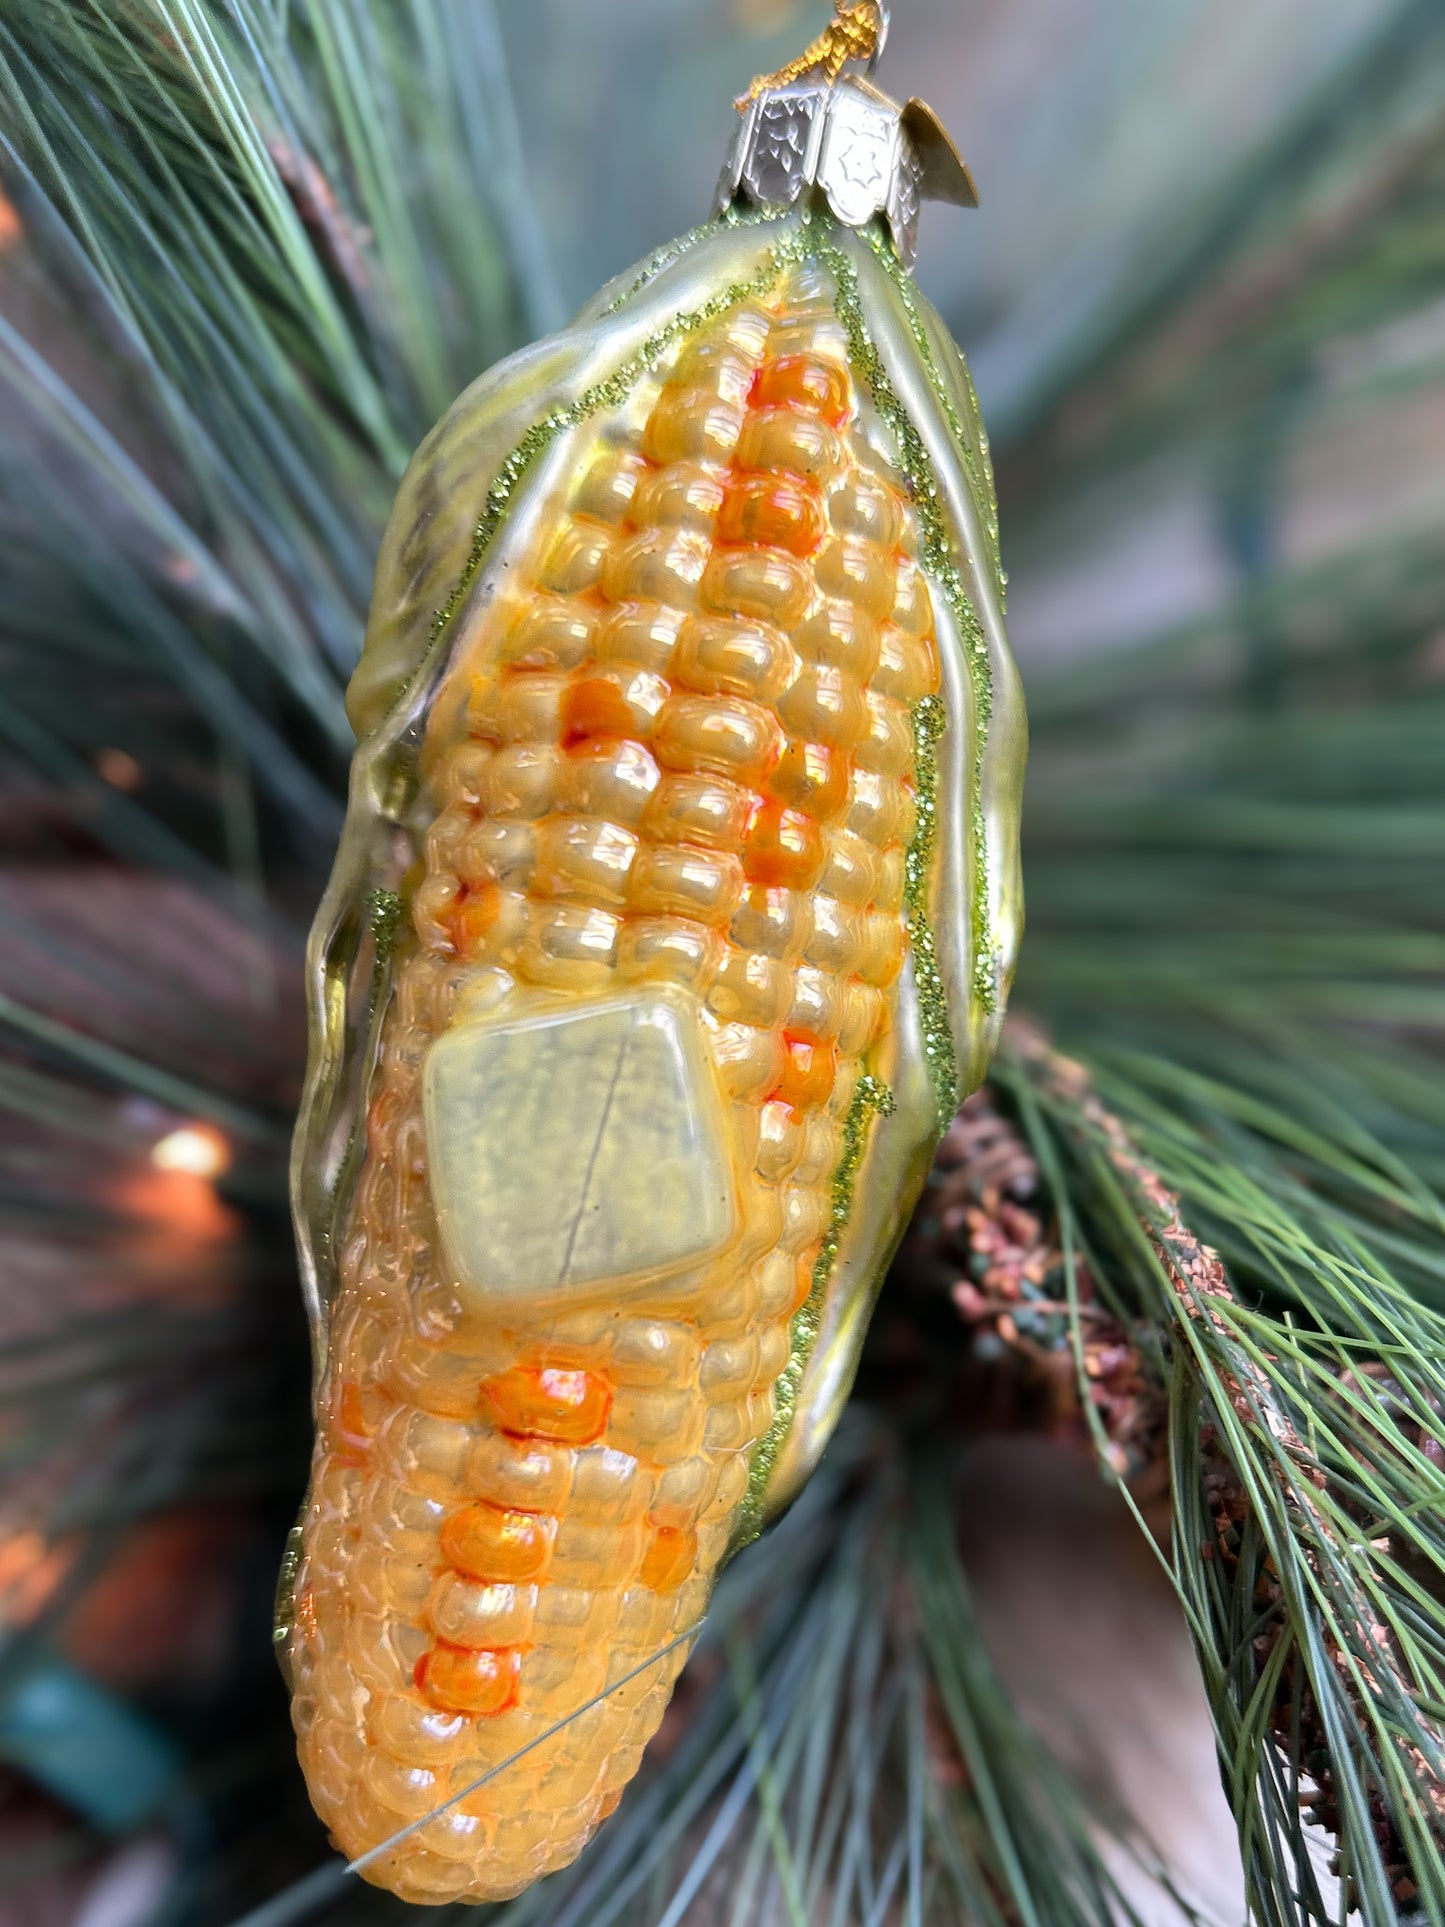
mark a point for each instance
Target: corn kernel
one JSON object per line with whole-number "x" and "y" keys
{"x": 550, "y": 635}
{"x": 726, "y": 734}
{"x": 584, "y": 857}
{"x": 840, "y": 635}
{"x": 660, "y": 565}
{"x": 569, "y": 946}
{"x": 859, "y": 573}
{"x": 644, "y": 637}
{"x": 459, "y": 1680}
{"x": 863, "y": 505}
{"x": 669, "y": 1558}
{"x": 672, "y": 879}
{"x": 520, "y": 780}
{"x": 784, "y": 848}
{"x": 607, "y": 777}
{"x": 912, "y": 610}
{"x": 808, "y": 1072}
{"x": 673, "y": 950}
{"x": 749, "y": 989}
{"x": 888, "y": 744}
{"x": 699, "y": 809}
{"x": 824, "y": 705}
{"x": 812, "y": 777}
{"x": 567, "y": 1408}
{"x": 721, "y": 656}
{"x": 608, "y": 487}
{"x": 685, "y": 495}
{"x": 786, "y": 441}
{"x": 907, "y": 666}
{"x": 774, "y": 511}
{"x": 835, "y": 941}
{"x": 768, "y": 920}
{"x": 576, "y": 561}
{"x": 756, "y": 582}
{"x": 808, "y": 382}
{"x": 465, "y": 1612}
{"x": 692, "y": 424}
{"x": 852, "y": 870}
{"x": 496, "y": 1544}
{"x": 523, "y": 709}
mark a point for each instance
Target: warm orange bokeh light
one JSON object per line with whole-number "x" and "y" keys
{"x": 200, "y": 1150}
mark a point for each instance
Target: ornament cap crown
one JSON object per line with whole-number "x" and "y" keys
{"x": 846, "y": 140}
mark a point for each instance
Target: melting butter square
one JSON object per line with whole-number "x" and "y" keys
{"x": 573, "y": 1147}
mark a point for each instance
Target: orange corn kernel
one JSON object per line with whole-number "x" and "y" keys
{"x": 496, "y": 1544}
{"x": 774, "y": 511}
{"x": 808, "y": 1073}
{"x": 669, "y": 1559}
{"x": 783, "y": 848}
{"x": 594, "y": 707}
{"x": 473, "y": 916}
{"x": 540, "y": 1402}
{"x": 803, "y": 1288}
{"x": 353, "y": 1441}
{"x": 804, "y": 381}
{"x": 458, "y": 1679}
{"x": 811, "y": 777}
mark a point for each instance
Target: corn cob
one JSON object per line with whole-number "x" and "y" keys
{"x": 671, "y": 777}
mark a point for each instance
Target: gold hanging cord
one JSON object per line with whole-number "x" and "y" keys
{"x": 856, "y": 33}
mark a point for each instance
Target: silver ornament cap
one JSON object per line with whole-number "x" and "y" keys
{"x": 844, "y": 139}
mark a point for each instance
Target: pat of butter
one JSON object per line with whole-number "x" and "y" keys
{"x": 579, "y": 1146}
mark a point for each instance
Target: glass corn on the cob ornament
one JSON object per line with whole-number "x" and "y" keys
{"x": 674, "y": 912}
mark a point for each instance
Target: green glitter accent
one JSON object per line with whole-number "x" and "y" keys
{"x": 659, "y": 259}
{"x": 871, "y": 1097}
{"x": 663, "y": 257}
{"x": 975, "y": 460}
{"x": 929, "y": 723}
{"x": 735, "y": 214}
{"x": 941, "y": 565}
{"x": 610, "y": 393}
{"x": 383, "y": 913}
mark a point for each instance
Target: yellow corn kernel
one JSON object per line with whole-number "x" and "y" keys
{"x": 707, "y": 810}
{"x": 863, "y": 505}
{"x": 551, "y": 635}
{"x": 609, "y": 486}
{"x": 660, "y": 565}
{"x": 673, "y": 879}
{"x": 839, "y": 634}
{"x": 734, "y": 738}
{"x": 684, "y": 495}
{"x": 670, "y": 950}
{"x": 721, "y": 656}
{"x": 766, "y": 583}
{"x": 824, "y": 705}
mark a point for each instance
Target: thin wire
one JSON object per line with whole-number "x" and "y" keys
{"x": 312, "y": 1888}
{"x": 375, "y": 1853}
{"x": 884, "y": 22}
